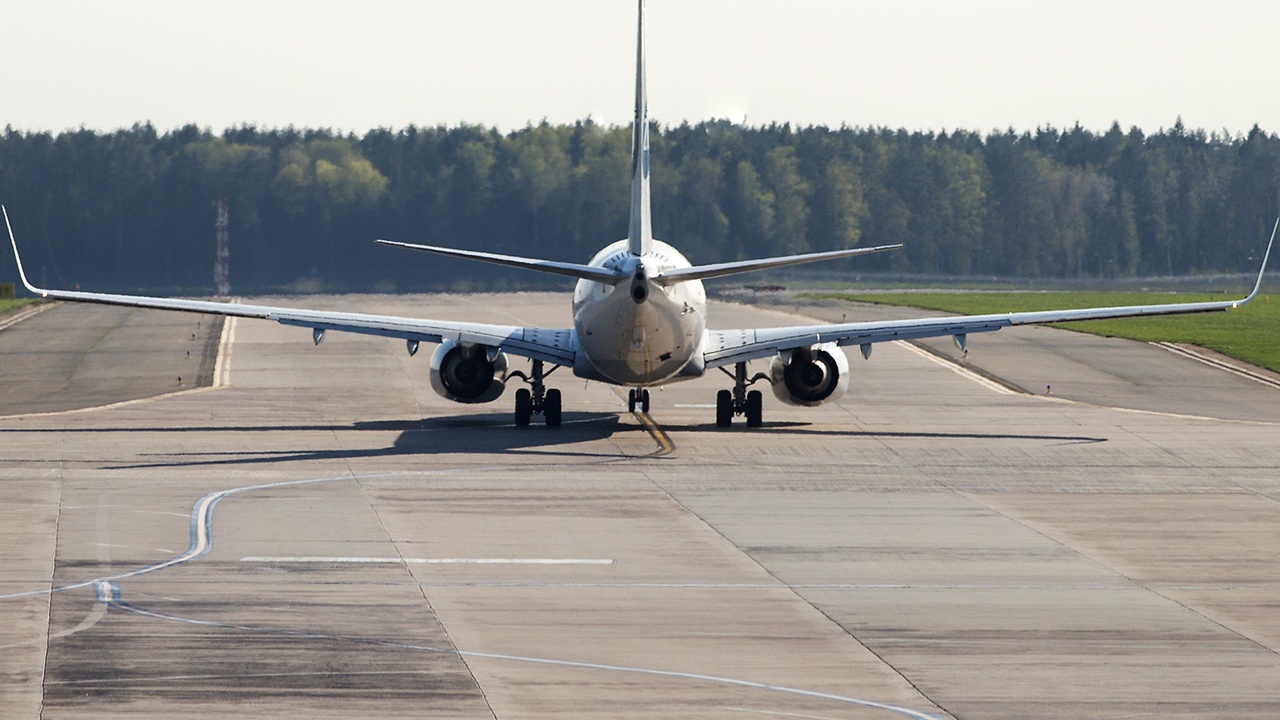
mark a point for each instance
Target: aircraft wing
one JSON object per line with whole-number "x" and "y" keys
{"x": 725, "y": 347}
{"x": 550, "y": 345}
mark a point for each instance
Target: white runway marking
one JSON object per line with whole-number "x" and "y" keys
{"x": 844, "y": 699}
{"x": 1153, "y": 413}
{"x": 432, "y": 561}
{"x": 201, "y": 536}
{"x": 222, "y": 365}
{"x": 116, "y": 602}
{"x": 23, "y": 314}
{"x": 221, "y": 376}
{"x": 1219, "y": 364}
{"x": 201, "y": 528}
{"x": 95, "y": 615}
{"x": 957, "y": 369}
{"x": 771, "y": 713}
{"x": 823, "y": 586}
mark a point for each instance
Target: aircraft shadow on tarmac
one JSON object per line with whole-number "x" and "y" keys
{"x": 466, "y": 434}
{"x": 494, "y": 433}
{"x": 807, "y": 429}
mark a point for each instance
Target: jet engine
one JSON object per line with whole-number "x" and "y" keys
{"x": 810, "y": 376}
{"x": 468, "y": 372}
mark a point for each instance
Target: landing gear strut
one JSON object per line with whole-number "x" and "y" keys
{"x": 537, "y": 398}
{"x": 739, "y": 401}
{"x": 639, "y": 397}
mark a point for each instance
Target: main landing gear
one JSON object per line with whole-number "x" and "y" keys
{"x": 637, "y": 396}
{"x": 537, "y": 398}
{"x": 739, "y": 401}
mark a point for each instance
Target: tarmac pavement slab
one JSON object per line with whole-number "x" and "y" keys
{"x": 78, "y": 356}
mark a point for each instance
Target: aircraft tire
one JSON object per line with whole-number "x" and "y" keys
{"x": 524, "y": 407}
{"x": 551, "y": 408}
{"x": 724, "y": 408}
{"x": 755, "y": 409}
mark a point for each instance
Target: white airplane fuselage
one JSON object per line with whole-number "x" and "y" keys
{"x": 639, "y": 332}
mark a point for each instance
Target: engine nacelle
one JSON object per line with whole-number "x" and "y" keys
{"x": 467, "y": 372}
{"x": 810, "y": 376}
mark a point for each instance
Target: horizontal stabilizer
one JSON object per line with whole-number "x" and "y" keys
{"x": 582, "y": 272}
{"x": 702, "y": 272}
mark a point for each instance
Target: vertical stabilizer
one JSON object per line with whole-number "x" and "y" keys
{"x": 640, "y": 230}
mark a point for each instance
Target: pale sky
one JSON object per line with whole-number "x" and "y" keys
{"x": 351, "y": 66}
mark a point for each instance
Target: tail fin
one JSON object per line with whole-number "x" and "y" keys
{"x": 640, "y": 230}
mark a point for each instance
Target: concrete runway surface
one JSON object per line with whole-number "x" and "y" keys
{"x": 322, "y": 536}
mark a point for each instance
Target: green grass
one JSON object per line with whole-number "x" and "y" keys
{"x": 1250, "y": 333}
{"x": 10, "y": 305}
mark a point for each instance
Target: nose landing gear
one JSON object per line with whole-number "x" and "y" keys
{"x": 639, "y": 397}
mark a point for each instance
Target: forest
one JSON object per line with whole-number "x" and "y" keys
{"x": 133, "y": 209}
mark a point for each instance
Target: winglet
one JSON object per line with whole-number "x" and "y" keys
{"x": 640, "y": 227}
{"x": 21, "y": 273}
{"x": 1266, "y": 256}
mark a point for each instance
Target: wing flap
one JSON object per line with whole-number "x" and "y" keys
{"x": 550, "y": 345}
{"x": 725, "y": 347}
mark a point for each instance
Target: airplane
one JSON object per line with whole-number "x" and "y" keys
{"x": 639, "y": 321}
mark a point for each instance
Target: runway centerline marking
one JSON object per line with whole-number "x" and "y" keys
{"x": 431, "y": 561}
{"x": 665, "y": 445}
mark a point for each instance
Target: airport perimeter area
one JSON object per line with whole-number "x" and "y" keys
{"x": 320, "y": 535}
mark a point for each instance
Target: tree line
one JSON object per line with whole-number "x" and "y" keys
{"x": 134, "y": 208}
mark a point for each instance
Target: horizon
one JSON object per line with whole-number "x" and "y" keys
{"x": 661, "y": 126}
{"x": 982, "y": 66}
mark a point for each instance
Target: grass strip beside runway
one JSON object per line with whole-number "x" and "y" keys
{"x": 9, "y": 304}
{"x": 1251, "y": 333}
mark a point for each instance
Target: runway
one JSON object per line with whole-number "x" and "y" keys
{"x": 323, "y": 536}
